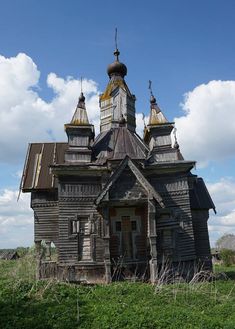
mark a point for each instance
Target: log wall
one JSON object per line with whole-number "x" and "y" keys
{"x": 45, "y": 206}
{"x": 76, "y": 202}
{"x": 175, "y": 194}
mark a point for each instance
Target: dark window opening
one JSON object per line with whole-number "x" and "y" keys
{"x": 118, "y": 226}
{"x": 133, "y": 225}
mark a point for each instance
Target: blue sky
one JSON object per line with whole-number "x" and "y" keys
{"x": 182, "y": 46}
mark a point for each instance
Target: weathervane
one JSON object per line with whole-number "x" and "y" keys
{"x": 150, "y": 87}
{"x": 116, "y": 38}
{"x": 81, "y": 85}
{"x": 116, "y": 53}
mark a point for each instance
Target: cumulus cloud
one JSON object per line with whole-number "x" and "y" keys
{"x": 206, "y": 131}
{"x": 16, "y": 220}
{"x": 25, "y": 117}
{"x": 140, "y": 123}
{"x": 223, "y": 195}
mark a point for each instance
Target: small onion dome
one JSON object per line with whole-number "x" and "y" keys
{"x": 152, "y": 100}
{"x": 122, "y": 120}
{"x": 176, "y": 145}
{"x": 81, "y": 98}
{"x": 81, "y": 101}
{"x": 117, "y": 68}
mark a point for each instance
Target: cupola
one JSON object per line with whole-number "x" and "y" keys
{"x": 80, "y": 135}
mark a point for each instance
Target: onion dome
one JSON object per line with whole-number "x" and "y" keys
{"x": 122, "y": 120}
{"x": 176, "y": 145}
{"x": 152, "y": 99}
{"x": 117, "y": 68}
{"x": 81, "y": 98}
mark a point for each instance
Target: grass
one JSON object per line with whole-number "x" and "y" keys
{"x": 28, "y": 304}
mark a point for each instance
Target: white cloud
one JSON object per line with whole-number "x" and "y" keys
{"x": 206, "y": 131}
{"x": 16, "y": 220}
{"x": 25, "y": 117}
{"x": 140, "y": 123}
{"x": 223, "y": 195}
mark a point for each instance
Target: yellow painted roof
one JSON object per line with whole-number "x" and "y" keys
{"x": 156, "y": 116}
{"x": 114, "y": 83}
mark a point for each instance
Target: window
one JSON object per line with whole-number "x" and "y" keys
{"x": 133, "y": 225}
{"x": 75, "y": 226}
{"x": 118, "y": 226}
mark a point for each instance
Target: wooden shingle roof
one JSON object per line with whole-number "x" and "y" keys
{"x": 117, "y": 143}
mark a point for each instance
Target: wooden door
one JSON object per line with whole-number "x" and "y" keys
{"x": 127, "y": 238}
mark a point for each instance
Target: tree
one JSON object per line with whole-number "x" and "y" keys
{"x": 227, "y": 256}
{"x": 227, "y": 241}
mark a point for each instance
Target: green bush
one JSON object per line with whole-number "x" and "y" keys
{"x": 227, "y": 256}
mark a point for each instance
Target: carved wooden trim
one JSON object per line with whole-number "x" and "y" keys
{"x": 67, "y": 199}
{"x": 173, "y": 193}
{"x": 44, "y": 204}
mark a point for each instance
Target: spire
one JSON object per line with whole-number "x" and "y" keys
{"x": 80, "y": 115}
{"x": 117, "y": 104}
{"x": 80, "y": 134}
{"x": 156, "y": 115}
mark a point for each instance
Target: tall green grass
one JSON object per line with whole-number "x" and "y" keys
{"x": 27, "y": 304}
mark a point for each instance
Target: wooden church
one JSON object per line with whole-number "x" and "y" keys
{"x": 117, "y": 206}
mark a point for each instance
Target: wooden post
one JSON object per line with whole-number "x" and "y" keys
{"x": 107, "y": 261}
{"x": 152, "y": 234}
{"x": 92, "y": 238}
{"x": 38, "y": 247}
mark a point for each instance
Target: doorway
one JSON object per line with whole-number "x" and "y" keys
{"x": 126, "y": 229}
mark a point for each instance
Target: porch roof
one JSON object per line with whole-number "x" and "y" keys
{"x": 127, "y": 162}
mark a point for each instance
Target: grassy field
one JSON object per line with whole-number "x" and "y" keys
{"x": 28, "y": 304}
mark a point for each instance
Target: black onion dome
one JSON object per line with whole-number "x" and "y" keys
{"x": 117, "y": 68}
{"x": 81, "y": 97}
{"x": 152, "y": 100}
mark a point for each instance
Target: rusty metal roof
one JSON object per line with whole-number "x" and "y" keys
{"x": 40, "y": 156}
{"x": 111, "y": 145}
{"x": 117, "y": 143}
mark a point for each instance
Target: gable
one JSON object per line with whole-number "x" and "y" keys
{"x": 148, "y": 188}
{"x": 127, "y": 187}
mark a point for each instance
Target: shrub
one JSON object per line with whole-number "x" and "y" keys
{"x": 227, "y": 256}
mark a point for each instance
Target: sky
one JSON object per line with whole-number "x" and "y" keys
{"x": 185, "y": 47}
